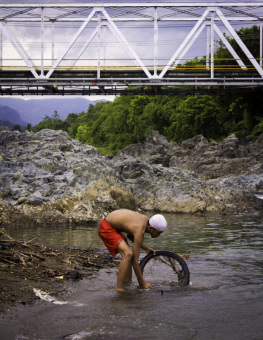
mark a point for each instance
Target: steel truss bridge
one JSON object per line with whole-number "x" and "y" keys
{"x": 113, "y": 48}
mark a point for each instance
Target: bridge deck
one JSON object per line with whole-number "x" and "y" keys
{"x": 129, "y": 82}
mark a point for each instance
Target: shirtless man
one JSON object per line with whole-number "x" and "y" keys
{"x": 135, "y": 225}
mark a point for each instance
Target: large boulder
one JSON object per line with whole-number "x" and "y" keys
{"x": 196, "y": 176}
{"x": 49, "y": 178}
{"x": 208, "y": 160}
{"x": 179, "y": 191}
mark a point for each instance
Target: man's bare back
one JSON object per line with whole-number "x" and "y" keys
{"x": 128, "y": 221}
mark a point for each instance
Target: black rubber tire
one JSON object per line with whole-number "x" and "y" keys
{"x": 185, "y": 271}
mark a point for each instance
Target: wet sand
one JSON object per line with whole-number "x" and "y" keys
{"x": 25, "y": 266}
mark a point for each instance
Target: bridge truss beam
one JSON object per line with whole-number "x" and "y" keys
{"x": 116, "y": 47}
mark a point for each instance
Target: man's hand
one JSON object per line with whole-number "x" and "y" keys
{"x": 150, "y": 250}
{"x": 145, "y": 285}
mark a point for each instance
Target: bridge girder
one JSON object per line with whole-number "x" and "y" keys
{"x": 99, "y": 38}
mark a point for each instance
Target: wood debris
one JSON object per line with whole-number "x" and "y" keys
{"x": 47, "y": 262}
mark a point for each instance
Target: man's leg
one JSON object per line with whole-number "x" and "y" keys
{"x": 125, "y": 267}
{"x": 128, "y": 276}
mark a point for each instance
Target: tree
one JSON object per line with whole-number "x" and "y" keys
{"x": 110, "y": 126}
{"x": 53, "y": 123}
{"x": 29, "y": 127}
{"x": 17, "y": 127}
{"x": 82, "y": 133}
{"x": 223, "y": 58}
{"x": 193, "y": 116}
{"x": 70, "y": 120}
{"x": 258, "y": 129}
{"x": 55, "y": 116}
{"x": 138, "y": 104}
{"x": 251, "y": 38}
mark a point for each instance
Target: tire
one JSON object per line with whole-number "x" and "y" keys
{"x": 165, "y": 266}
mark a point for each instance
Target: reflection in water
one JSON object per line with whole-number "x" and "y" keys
{"x": 59, "y": 237}
{"x": 225, "y": 300}
{"x": 185, "y": 233}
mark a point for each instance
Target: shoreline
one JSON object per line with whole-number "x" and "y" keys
{"x": 25, "y": 266}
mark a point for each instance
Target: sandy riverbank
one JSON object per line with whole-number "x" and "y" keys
{"x": 25, "y": 266}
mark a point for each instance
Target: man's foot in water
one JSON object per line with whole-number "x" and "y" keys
{"x": 120, "y": 289}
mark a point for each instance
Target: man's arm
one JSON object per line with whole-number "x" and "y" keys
{"x": 147, "y": 249}
{"x": 135, "y": 261}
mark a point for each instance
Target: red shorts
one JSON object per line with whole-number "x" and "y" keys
{"x": 110, "y": 236}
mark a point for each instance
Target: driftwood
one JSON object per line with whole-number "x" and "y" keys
{"x": 38, "y": 256}
{"x": 47, "y": 262}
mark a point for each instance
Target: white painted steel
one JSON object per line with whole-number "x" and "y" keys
{"x": 19, "y": 48}
{"x": 58, "y": 61}
{"x": 188, "y": 45}
{"x": 125, "y": 43}
{"x": 240, "y": 42}
{"x": 187, "y": 41}
{"x": 260, "y": 44}
{"x": 212, "y": 72}
{"x": 42, "y": 42}
{"x": 155, "y": 41}
{"x": 208, "y": 45}
{"x": 229, "y": 47}
{"x": 200, "y": 15}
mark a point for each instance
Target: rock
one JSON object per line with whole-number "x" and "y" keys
{"x": 198, "y": 143}
{"x": 252, "y": 183}
{"x": 155, "y": 138}
{"x": 156, "y": 150}
{"x": 22, "y": 200}
{"x": 49, "y": 178}
{"x": 174, "y": 190}
{"x": 4, "y": 128}
{"x": 56, "y": 175}
{"x": 208, "y": 160}
{"x": 200, "y": 176}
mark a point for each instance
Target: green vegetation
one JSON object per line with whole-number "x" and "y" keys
{"x": 16, "y": 127}
{"x": 250, "y": 36}
{"x": 223, "y": 59}
{"x": 110, "y": 126}
{"x": 54, "y": 123}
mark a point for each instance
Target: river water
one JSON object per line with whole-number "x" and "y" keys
{"x": 224, "y": 300}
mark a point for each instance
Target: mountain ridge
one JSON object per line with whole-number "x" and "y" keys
{"x": 9, "y": 117}
{"x": 34, "y": 110}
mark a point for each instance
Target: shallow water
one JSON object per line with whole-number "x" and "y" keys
{"x": 225, "y": 300}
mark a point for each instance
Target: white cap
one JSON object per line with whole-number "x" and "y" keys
{"x": 158, "y": 222}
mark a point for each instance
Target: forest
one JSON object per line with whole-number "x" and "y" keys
{"x": 110, "y": 126}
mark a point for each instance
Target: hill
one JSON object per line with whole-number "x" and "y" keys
{"x": 34, "y": 110}
{"x": 9, "y": 117}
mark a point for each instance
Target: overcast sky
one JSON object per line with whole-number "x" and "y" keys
{"x": 139, "y": 35}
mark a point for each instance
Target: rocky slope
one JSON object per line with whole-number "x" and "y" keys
{"x": 208, "y": 160}
{"x": 49, "y": 178}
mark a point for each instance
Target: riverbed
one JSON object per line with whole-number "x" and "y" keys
{"x": 224, "y": 300}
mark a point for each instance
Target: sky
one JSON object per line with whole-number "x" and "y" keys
{"x": 92, "y": 98}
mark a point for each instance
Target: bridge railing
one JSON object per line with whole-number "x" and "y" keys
{"x": 90, "y": 64}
